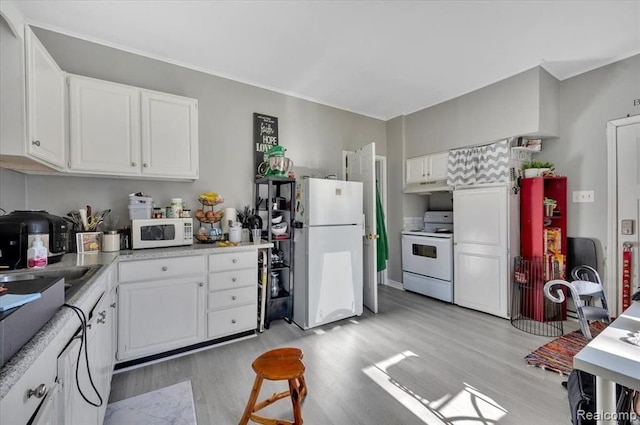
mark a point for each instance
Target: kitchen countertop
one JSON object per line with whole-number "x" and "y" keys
{"x": 17, "y": 365}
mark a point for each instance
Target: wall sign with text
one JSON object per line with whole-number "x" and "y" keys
{"x": 265, "y": 136}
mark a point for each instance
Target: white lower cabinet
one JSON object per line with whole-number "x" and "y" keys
{"x": 232, "y": 301}
{"x": 49, "y": 411}
{"x": 75, "y": 409}
{"x": 162, "y": 314}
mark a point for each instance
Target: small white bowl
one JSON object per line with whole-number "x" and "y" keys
{"x": 277, "y": 219}
{"x": 279, "y": 229}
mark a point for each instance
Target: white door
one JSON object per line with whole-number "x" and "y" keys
{"x": 480, "y": 234}
{"x": 331, "y": 202}
{"x": 157, "y": 316}
{"x": 335, "y": 275}
{"x": 438, "y": 164}
{"x": 45, "y": 103}
{"x": 628, "y": 205}
{"x": 104, "y": 127}
{"x": 169, "y": 135}
{"x": 416, "y": 169}
{"x": 361, "y": 168}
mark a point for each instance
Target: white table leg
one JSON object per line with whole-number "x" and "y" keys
{"x": 605, "y": 401}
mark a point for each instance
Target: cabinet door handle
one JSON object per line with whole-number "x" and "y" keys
{"x": 133, "y": 164}
{"x": 113, "y": 305}
{"x": 165, "y": 268}
{"x": 235, "y": 260}
{"x": 233, "y": 298}
{"x": 145, "y": 165}
{"x": 38, "y": 392}
{"x": 37, "y": 143}
{"x": 200, "y": 284}
{"x": 233, "y": 321}
{"x": 234, "y": 279}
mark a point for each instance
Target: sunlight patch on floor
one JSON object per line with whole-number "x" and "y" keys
{"x": 469, "y": 406}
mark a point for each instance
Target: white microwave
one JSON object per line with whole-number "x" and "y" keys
{"x": 161, "y": 232}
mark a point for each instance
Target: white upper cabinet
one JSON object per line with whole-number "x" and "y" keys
{"x": 438, "y": 166}
{"x": 104, "y": 127}
{"x": 32, "y": 104}
{"x": 127, "y": 131}
{"x": 169, "y": 135}
{"x": 45, "y": 103}
{"x": 427, "y": 168}
{"x": 416, "y": 169}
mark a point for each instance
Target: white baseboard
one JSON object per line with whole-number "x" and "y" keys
{"x": 395, "y": 285}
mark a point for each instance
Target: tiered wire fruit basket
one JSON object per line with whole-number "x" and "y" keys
{"x": 531, "y": 311}
{"x": 208, "y": 216}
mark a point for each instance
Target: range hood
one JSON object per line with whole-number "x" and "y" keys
{"x": 427, "y": 188}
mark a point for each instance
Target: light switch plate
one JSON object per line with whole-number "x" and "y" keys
{"x": 582, "y": 196}
{"x": 626, "y": 227}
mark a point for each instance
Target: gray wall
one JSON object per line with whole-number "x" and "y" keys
{"x": 511, "y": 107}
{"x": 587, "y": 102}
{"x": 13, "y": 190}
{"x": 395, "y": 204}
{"x": 313, "y": 134}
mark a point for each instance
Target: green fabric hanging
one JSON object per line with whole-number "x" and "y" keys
{"x": 382, "y": 245}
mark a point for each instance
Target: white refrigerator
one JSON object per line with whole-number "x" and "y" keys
{"x": 328, "y": 251}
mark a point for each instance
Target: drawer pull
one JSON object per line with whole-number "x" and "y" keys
{"x": 113, "y": 305}
{"x": 234, "y": 297}
{"x": 200, "y": 284}
{"x": 232, "y": 321}
{"x": 39, "y": 392}
{"x": 36, "y": 142}
{"x": 235, "y": 260}
{"x": 165, "y": 268}
{"x": 234, "y": 279}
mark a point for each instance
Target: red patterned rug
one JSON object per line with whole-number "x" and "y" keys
{"x": 557, "y": 355}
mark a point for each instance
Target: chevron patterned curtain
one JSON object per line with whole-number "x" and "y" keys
{"x": 480, "y": 164}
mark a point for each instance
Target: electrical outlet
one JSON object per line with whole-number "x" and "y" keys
{"x": 582, "y": 196}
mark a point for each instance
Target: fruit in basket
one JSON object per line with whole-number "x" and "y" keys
{"x": 209, "y": 215}
{"x": 210, "y": 198}
{"x": 200, "y": 214}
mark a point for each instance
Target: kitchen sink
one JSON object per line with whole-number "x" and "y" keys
{"x": 74, "y": 277}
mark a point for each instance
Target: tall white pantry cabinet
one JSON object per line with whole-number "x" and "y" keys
{"x": 486, "y": 239}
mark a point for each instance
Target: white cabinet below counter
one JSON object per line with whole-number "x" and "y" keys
{"x": 427, "y": 168}
{"x": 122, "y": 130}
{"x": 161, "y": 305}
{"x": 232, "y": 304}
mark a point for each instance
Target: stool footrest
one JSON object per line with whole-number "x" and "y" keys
{"x": 269, "y": 421}
{"x": 275, "y": 397}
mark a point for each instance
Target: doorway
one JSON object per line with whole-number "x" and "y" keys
{"x": 623, "y": 152}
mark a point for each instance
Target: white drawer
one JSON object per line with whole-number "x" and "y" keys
{"x": 233, "y": 261}
{"x": 232, "y": 321}
{"x": 131, "y": 271}
{"x": 16, "y": 407}
{"x": 233, "y": 279}
{"x": 232, "y": 297}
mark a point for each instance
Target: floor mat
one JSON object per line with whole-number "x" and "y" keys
{"x": 557, "y": 355}
{"x": 172, "y": 405}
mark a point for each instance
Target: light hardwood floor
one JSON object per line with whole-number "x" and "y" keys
{"x": 457, "y": 365}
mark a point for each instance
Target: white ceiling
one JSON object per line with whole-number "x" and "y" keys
{"x": 378, "y": 58}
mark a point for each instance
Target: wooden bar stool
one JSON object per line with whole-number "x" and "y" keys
{"x": 279, "y": 364}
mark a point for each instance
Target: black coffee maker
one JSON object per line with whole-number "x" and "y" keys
{"x": 18, "y": 230}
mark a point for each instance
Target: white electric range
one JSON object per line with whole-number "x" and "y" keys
{"x": 427, "y": 257}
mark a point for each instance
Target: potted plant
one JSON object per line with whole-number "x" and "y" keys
{"x": 535, "y": 168}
